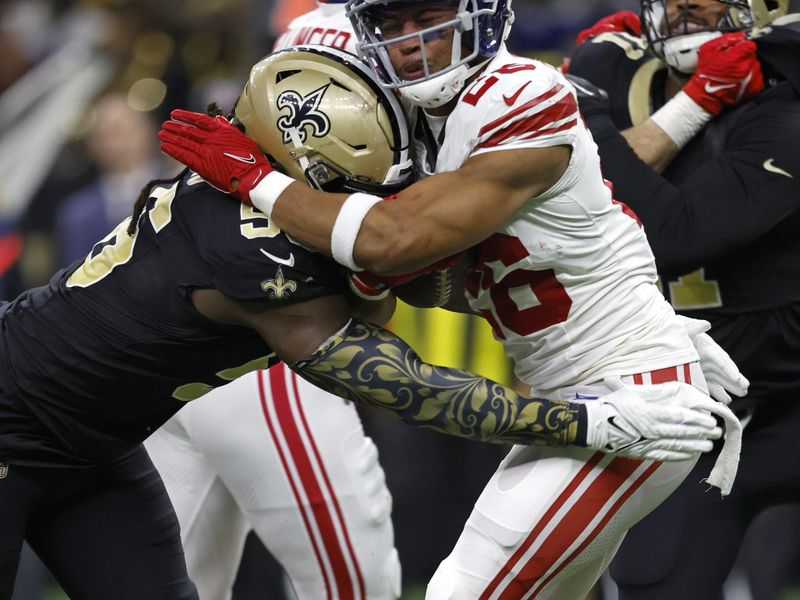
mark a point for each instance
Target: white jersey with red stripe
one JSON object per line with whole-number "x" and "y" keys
{"x": 569, "y": 283}
{"x": 569, "y": 286}
{"x": 325, "y": 26}
{"x": 272, "y": 453}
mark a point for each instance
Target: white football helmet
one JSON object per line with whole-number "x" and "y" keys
{"x": 321, "y": 114}
{"x": 481, "y": 26}
{"x": 678, "y": 43}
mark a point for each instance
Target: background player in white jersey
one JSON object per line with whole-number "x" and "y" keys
{"x": 284, "y": 458}
{"x": 327, "y": 25}
{"x": 564, "y": 275}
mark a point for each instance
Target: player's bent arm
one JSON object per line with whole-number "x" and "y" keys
{"x": 683, "y": 222}
{"x": 432, "y": 219}
{"x": 375, "y": 367}
{"x": 429, "y": 221}
{"x": 292, "y": 331}
{"x": 652, "y": 145}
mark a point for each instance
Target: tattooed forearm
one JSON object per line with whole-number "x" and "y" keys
{"x": 371, "y": 365}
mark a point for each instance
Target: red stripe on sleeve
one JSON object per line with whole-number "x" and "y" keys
{"x": 522, "y": 109}
{"x": 536, "y": 125}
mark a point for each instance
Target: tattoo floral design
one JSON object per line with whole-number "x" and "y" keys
{"x": 371, "y": 365}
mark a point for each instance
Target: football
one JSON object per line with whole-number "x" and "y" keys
{"x": 437, "y": 288}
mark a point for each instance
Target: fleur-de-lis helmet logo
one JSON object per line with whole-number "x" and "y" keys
{"x": 303, "y": 111}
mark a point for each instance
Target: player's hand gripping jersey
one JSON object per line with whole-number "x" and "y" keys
{"x": 568, "y": 284}
{"x": 146, "y": 344}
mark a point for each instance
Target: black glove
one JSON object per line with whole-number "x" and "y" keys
{"x": 591, "y": 99}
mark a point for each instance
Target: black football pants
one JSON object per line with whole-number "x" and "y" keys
{"x": 104, "y": 532}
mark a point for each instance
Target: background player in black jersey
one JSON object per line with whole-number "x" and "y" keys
{"x": 723, "y": 125}
{"x": 196, "y": 290}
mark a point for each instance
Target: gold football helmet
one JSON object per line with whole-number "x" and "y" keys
{"x": 321, "y": 114}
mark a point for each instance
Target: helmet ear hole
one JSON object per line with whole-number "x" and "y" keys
{"x": 323, "y": 116}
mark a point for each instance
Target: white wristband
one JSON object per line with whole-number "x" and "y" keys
{"x": 345, "y": 229}
{"x": 681, "y": 118}
{"x": 264, "y": 195}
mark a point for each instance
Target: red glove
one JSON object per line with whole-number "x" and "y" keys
{"x": 370, "y": 286}
{"x": 375, "y": 287}
{"x": 623, "y": 20}
{"x": 216, "y": 150}
{"x": 728, "y": 72}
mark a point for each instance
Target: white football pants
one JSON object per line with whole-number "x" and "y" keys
{"x": 550, "y": 519}
{"x": 273, "y": 453}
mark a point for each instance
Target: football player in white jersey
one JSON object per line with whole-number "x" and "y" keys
{"x": 327, "y": 25}
{"x": 284, "y": 458}
{"x": 561, "y": 271}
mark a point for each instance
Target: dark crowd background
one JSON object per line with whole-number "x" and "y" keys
{"x": 83, "y": 87}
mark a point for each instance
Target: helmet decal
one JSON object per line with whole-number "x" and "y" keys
{"x": 321, "y": 114}
{"x": 303, "y": 111}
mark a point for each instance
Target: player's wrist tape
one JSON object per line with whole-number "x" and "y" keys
{"x": 681, "y": 118}
{"x": 264, "y": 195}
{"x": 345, "y": 229}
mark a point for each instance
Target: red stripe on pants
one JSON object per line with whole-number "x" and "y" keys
{"x": 546, "y": 518}
{"x": 579, "y": 516}
{"x": 571, "y": 526}
{"x": 331, "y": 492}
{"x": 617, "y": 505}
{"x": 298, "y": 500}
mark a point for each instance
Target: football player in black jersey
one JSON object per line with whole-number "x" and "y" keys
{"x": 709, "y": 159}
{"x": 195, "y": 290}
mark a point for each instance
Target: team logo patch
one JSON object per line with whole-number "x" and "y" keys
{"x": 279, "y": 288}
{"x": 303, "y": 111}
{"x": 3, "y": 471}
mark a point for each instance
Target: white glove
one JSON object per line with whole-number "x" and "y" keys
{"x": 721, "y": 373}
{"x": 669, "y": 421}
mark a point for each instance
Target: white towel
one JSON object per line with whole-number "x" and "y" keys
{"x": 724, "y": 471}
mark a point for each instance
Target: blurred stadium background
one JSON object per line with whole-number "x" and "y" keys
{"x": 83, "y": 85}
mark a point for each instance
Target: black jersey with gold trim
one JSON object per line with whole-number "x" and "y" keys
{"x": 93, "y": 362}
{"x": 723, "y": 217}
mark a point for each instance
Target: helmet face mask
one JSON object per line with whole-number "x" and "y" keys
{"x": 323, "y": 117}
{"x": 675, "y": 29}
{"x": 477, "y": 29}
